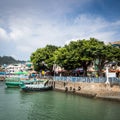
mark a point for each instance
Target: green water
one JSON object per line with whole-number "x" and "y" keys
{"x": 51, "y": 105}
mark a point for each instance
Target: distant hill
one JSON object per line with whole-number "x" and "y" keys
{"x": 9, "y": 60}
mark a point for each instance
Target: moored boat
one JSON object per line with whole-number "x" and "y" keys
{"x": 16, "y": 81}
{"x": 36, "y": 87}
{"x": 12, "y": 84}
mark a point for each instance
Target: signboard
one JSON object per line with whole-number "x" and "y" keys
{"x": 111, "y": 74}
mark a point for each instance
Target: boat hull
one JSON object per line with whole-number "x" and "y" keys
{"x": 13, "y": 84}
{"x": 28, "y": 89}
{"x": 16, "y": 83}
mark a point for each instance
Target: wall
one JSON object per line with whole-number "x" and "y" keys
{"x": 90, "y": 89}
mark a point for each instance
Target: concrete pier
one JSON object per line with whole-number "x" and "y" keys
{"x": 92, "y": 90}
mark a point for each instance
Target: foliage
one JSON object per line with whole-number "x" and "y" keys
{"x": 76, "y": 54}
{"x": 43, "y": 58}
{"x": 104, "y": 54}
{"x": 80, "y": 53}
{"x": 64, "y": 58}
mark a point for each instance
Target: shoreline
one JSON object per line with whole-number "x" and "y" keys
{"x": 91, "y": 95}
{"x": 90, "y": 90}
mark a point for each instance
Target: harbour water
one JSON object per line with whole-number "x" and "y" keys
{"x": 51, "y": 105}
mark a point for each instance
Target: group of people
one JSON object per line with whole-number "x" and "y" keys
{"x": 36, "y": 75}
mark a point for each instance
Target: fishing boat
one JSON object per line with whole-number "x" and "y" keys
{"x": 36, "y": 87}
{"x": 12, "y": 81}
{"x": 12, "y": 84}
{"x": 16, "y": 82}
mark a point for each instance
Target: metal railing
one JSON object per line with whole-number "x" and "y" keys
{"x": 113, "y": 80}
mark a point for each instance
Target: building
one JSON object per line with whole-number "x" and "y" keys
{"x": 116, "y": 44}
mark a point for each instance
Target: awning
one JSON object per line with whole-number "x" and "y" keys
{"x": 21, "y": 73}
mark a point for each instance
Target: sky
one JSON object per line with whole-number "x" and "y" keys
{"x": 26, "y": 25}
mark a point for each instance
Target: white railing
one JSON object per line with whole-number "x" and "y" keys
{"x": 88, "y": 79}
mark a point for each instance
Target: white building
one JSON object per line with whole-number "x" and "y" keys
{"x": 15, "y": 68}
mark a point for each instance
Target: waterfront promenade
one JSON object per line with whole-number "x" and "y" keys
{"x": 89, "y": 87}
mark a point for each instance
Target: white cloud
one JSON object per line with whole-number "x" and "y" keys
{"x": 86, "y": 26}
{"x": 3, "y": 34}
{"x": 37, "y": 25}
{"x": 24, "y": 48}
{"x": 30, "y": 34}
{"x": 16, "y": 34}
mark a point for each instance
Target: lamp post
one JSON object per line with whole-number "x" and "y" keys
{"x": 107, "y": 76}
{"x": 54, "y": 68}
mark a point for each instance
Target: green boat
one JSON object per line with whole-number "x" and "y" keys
{"x": 15, "y": 82}
{"x": 40, "y": 86}
{"x": 12, "y": 81}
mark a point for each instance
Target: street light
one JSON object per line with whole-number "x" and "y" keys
{"x": 107, "y": 76}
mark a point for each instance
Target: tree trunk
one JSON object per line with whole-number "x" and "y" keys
{"x": 100, "y": 71}
{"x": 84, "y": 69}
{"x": 100, "y": 67}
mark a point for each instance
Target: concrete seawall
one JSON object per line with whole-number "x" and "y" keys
{"x": 93, "y": 90}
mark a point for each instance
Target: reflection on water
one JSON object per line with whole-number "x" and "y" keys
{"x": 18, "y": 105}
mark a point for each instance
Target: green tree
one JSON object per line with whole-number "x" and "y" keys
{"x": 103, "y": 54}
{"x": 64, "y": 58}
{"x": 74, "y": 55}
{"x": 97, "y": 53}
{"x": 80, "y": 53}
{"x": 43, "y": 58}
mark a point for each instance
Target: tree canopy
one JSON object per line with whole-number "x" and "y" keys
{"x": 43, "y": 58}
{"x": 80, "y": 53}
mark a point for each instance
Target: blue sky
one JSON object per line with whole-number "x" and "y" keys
{"x": 26, "y": 25}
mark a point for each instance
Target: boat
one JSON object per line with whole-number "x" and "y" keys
{"x": 36, "y": 87}
{"x": 12, "y": 81}
{"x": 12, "y": 84}
{"x": 16, "y": 82}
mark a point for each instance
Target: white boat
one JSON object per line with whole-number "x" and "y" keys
{"x": 36, "y": 87}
